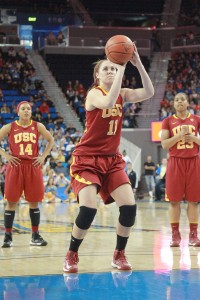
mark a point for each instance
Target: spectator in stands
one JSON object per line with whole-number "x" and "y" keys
{"x": 2, "y": 176}
{"x": 70, "y": 146}
{"x": 1, "y": 96}
{"x": 161, "y": 169}
{"x": 61, "y": 169}
{"x": 51, "y": 39}
{"x": 76, "y": 85}
{"x": 37, "y": 115}
{"x": 54, "y": 152}
{"x": 48, "y": 119}
{"x": 44, "y": 108}
{"x": 160, "y": 176}
{"x": 58, "y": 119}
{"x": 149, "y": 173}
{"x": 60, "y": 38}
{"x": 61, "y": 180}
{"x": 12, "y": 53}
{"x": 61, "y": 156}
{"x": 2, "y": 120}
{"x": 125, "y": 157}
{"x": 132, "y": 176}
{"x": 71, "y": 196}
{"x": 5, "y": 109}
{"x": 70, "y": 129}
{"x": 24, "y": 88}
{"x": 160, "y": 188}
{"x": 49, "y": 174}
{"x": 1, "y": 62}
{"x": 70, "y": 94}
{"x": 22, "y": 54}
{"x": 50, "y": 191}
{"x": 82, "y": 91}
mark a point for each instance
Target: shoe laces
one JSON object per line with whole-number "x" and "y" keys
{"x": 72, "y": 257}
{"x": 8, "y": 237}
{"x": 193, "y": 235}
{"x": 175, "y": 234}
{"x": 37, "y": 236}
{"x": 121, "y": 256}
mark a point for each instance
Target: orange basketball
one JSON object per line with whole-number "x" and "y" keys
{"x": 119, "y": 49}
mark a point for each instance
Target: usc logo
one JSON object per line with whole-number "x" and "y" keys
{"x": 114, "y": 112}
{"x": 25, "y": 137}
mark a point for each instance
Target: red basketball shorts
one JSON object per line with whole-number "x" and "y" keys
{"x": 108, "y": 172}
{"x": 24, "y": 178}
{"x": 182, "y": 179}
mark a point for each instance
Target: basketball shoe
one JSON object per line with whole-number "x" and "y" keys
{"x": 71, "y": 262}
{"x": 37, "y": 240}
{"x": 176, "y": 239}
{"x": 7, "y": 243}
{"x": 119, "y": 261}
{"x": 193, "y": 239}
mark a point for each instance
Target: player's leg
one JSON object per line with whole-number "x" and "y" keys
{"x": 34, "y": 212}
{"x": 87, "y": 212}
{"x": 9, "y": 216}
{"x": 13, "y": 191}
{"x": 174, "y": 215}
{"x": 124, "y": 198}
{"x": 34, "y": 194}
{"x": 192, "y": 196}
{"x": 193, "y": 217}
{"x": 175, "y": 190}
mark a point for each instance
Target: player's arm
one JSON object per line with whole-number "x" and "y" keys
{"x": 167, "y": 141}
{"x": 95, "y": 98}
{"x": 4, "y": 131}
{"x": 140, "y": 94}
{"x": 191, "y": 138}
{"x": 48, "y": 137}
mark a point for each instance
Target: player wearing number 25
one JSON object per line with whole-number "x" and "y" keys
{"x": 23, "y": 172}
{"x": 180, "y": 135}
{"x": 97, "y": 165}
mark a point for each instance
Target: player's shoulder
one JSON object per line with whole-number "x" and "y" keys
{"x": 168, "y": 119}
{"x": 196, "y": 117}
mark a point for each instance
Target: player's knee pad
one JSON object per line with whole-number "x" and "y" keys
{"x": 127, "y": 215}
{"x": 85, "y": 217}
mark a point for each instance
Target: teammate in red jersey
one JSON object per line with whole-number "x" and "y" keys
{"x": 23, "y": 172}
{"x": 97, "y": 165}
{"x": 180, "y": 135}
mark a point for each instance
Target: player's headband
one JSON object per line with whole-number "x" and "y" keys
{"x": 18, "y": 106}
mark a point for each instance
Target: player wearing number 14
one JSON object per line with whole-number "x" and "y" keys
{"x": 97, "y": 165}
{"x": 23, "y": 172}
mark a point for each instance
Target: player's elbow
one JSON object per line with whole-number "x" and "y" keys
{"x": 164, "y": 146}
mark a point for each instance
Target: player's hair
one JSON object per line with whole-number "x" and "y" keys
{"x": 97, "y": 64}
{"x": 22, "y": 102}
{"x": 184, "y": 94}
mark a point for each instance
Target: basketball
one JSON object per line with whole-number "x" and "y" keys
{"x": 119, "y": 49}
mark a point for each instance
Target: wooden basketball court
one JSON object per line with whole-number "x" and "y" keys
{"x": 148, "y": 251}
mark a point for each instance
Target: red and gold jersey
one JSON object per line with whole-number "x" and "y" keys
{"x": 23, "y": 141}
{"x": 103, "y": 130}
{"x": 182, "y": 148}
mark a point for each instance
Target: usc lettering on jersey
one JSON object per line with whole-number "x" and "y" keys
{"x": 182, "y": 148}
{"x": 103, "y": 130}
{"x": 24, "y": 140}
